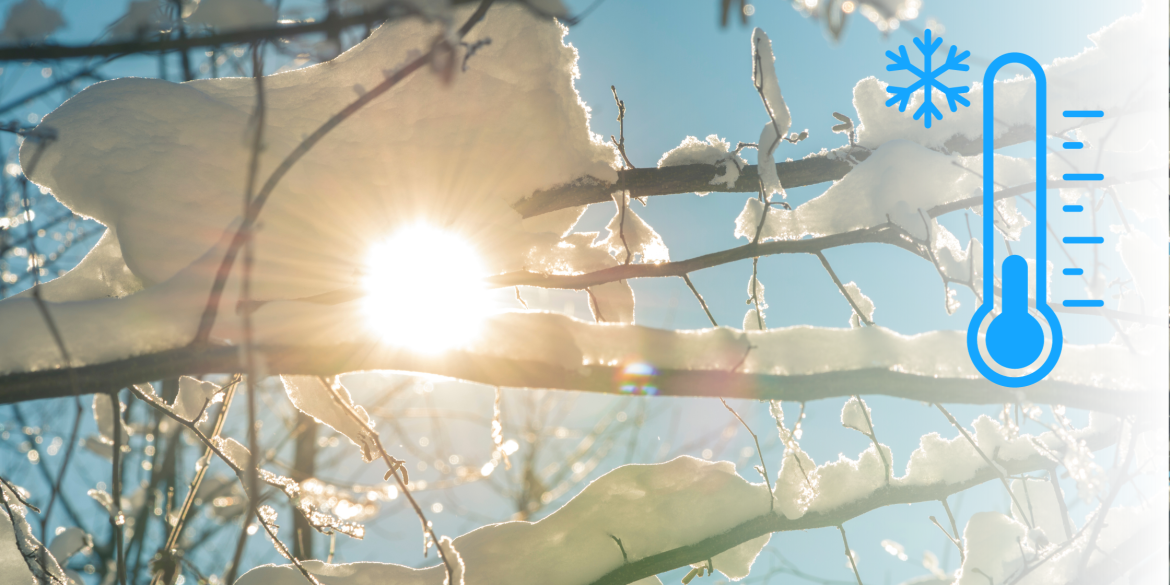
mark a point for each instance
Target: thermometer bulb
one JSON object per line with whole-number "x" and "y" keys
{"x": 1015, "y": 338}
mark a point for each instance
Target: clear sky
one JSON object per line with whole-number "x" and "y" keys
{"x": 681, "y": 74}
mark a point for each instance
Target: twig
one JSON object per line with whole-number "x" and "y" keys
{"x": 691, "y": 285}
{"x": 170, "y": 546}
{"x": 841, "y": 287}
{"x": 986, "y": 459}
{"x": 1064, "y": 517}
{"x": 621, "y": 120}
{"x": 873, "y": 437}
{"x": 397, "y": 470}
{"x": 954, "y": 539}
{"x": 849, "y": 553}
{"x": 954, "y": 527}
{"x": 116, "y": 517}
{"x": 760, "y": 452}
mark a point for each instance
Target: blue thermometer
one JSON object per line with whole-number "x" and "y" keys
{"x": 1014, "y": 339}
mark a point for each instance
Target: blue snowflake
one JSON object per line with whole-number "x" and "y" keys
{"x": 927, "y": 78}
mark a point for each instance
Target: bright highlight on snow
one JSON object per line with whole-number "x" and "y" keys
{"x": 425, "y": 290}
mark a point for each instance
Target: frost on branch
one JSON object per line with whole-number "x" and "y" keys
{"x": 22, "y": 556}
{"x": 753, "y": 320}
{"x": 332, "y": 406}
{"x": 893, "y": 184}
{"x": 861, "y": 303}
{"x": 715, "y": 151}
{"x": 857, "y": 416}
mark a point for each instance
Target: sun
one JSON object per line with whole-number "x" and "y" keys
{"x": 425, "y": 289}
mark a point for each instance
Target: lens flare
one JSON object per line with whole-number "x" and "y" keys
{"x": 425, "y": 290}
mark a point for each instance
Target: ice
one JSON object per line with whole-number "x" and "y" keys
{"x": 715, "y": 151}
{"x": 311, "y": 396}
{"x": 233, "y": 14}
{"x": 67, "y": 543}
{"x": 630, "y": 236}
{"x": 856, "y": 415}
{"x": 651, "y": 508}
{"x": 30, "y": 21}
{"x": 779, "y": 119}
{"x": 612, "y": 302}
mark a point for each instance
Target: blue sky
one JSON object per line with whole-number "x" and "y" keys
{"x": 680, "y": 74}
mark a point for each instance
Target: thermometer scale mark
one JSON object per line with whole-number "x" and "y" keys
{"x": 1078, "y": 208}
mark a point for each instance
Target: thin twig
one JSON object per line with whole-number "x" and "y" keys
{"x": 691, "y": 285}
{"x": 986, "y": 459}
{"x": 841, "y": 287}
{"x": 116, "y": 518}
{"x": 849, "y": 553}
{"x": 760, "y": 452}
{"x": 954, "y": 527}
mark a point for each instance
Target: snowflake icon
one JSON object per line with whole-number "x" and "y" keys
{"x": 927, "y": 78}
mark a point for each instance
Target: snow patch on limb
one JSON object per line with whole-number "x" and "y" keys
{"x": 715, "y": 151}
{"x": 847, "y": 480}
{"x": 22, "y": 556}
{"x": 779, "y": 118}
{"x": 631, "y": 237}
{"x": 102, "y": 273}
{"x": 856, "y": 415}
{"x": 754, "y": 319}
{"x": 150, "y": 157}
{"x": 333, "y": 407}
{"x": 30, "y": 21}
{"x": 236, "y": 453}
{"x": 194, "y": 398}
{"x": 893, "y": 184}
{"x": 651, "y": 508}
{"x": 861, "y": 302}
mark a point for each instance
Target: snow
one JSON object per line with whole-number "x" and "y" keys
{"x": 994, "y": 546}
{"x": 754, "y": 319}
{"x": 30, "y": 21}
{"x": 154, "y": 159}
{"x": 863, "y": 303}
{"x": 21, "y": 554}
{"x": 194, "y": 398}
{"x": 309, "y": 395}
{"x": 236, "y": 453}
{"x": 640, "y": 241}
{"x": 233, "y": 14}
{"x": 103, "y": 414}
{"x": 715, "y": 151}
{"x": 856, "y": 415}
{"x": 102, "y": 273}
{"x": 893, "y": 184}
{"x": 1040, "y": 508}
{"x": 651, "y": 508}
{"x": 779, "y": 119}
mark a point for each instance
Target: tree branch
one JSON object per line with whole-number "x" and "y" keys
{"x": 773, "y": 522}
{"x": 519, "y": 373}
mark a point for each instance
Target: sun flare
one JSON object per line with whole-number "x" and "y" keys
{"x": 425, "y": 289}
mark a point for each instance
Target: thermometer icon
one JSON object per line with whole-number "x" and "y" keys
{"x": 1014, "y": 339}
